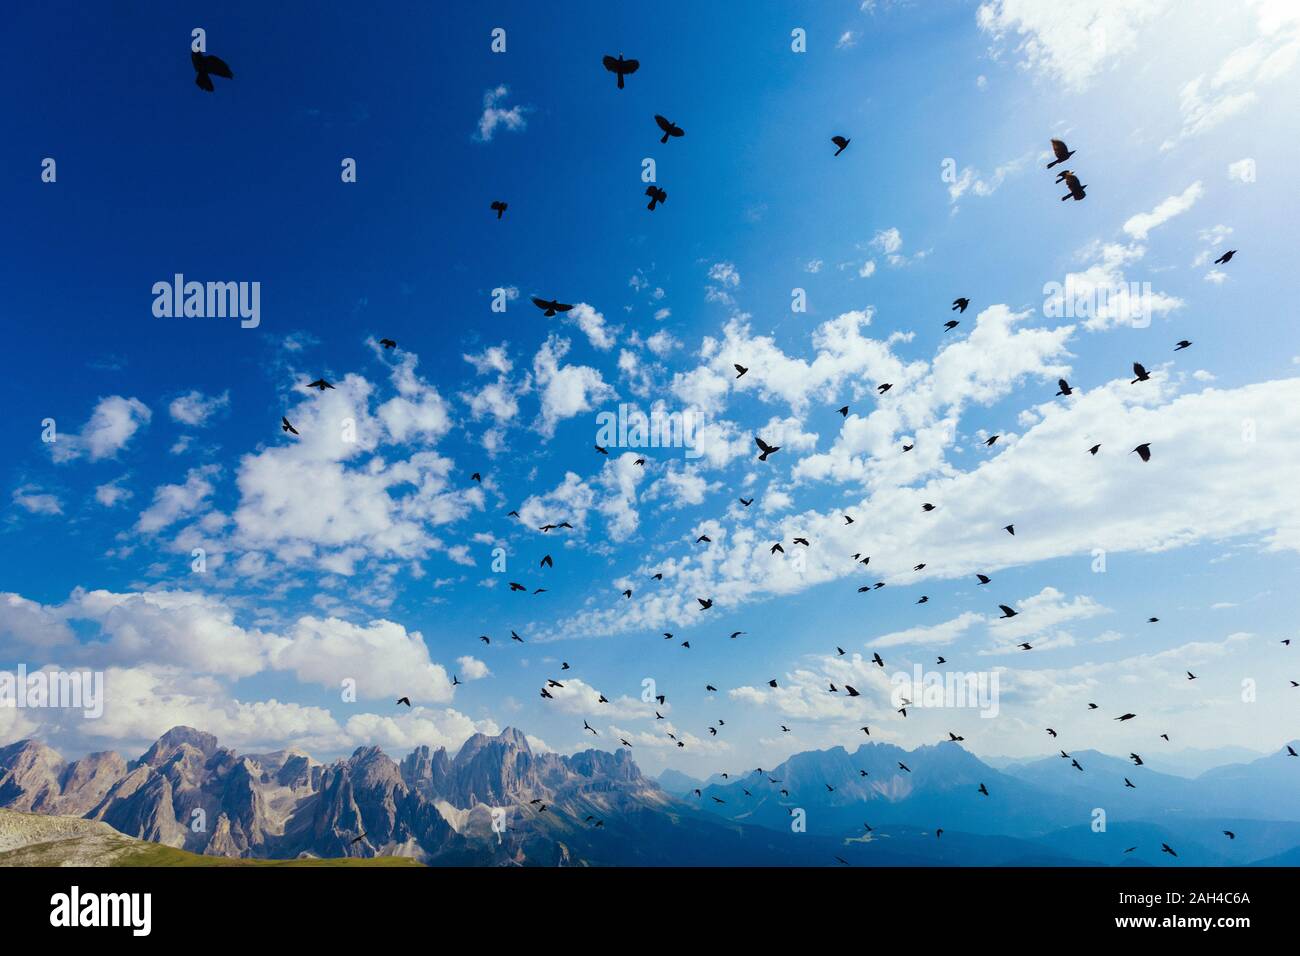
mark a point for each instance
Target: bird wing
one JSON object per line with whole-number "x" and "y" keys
{"x": 217, "y": 66}
{"x": 631, "y": 66}
{"x": 611, "y": 64}
{"x": 1060, "y": 149}
{"x": 664, "y": 123}
{"x": 204, "y": 82}
{"x": 560, "y": 307}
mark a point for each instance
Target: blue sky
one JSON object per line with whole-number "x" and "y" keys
{"x": 372, "y": 560}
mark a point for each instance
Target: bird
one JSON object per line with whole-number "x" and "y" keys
{"x": 1051, "y": 731}
{"x": 1143, "y": 451}
{"x": 1140, "y": 372}
{"x": 1007, "y": 612}
{"x": 1182, "y": 344}
{"x": 1137, "y": 761}
{"x": 844, "y": 411}
{"x": 959, "y": 305}
{"x": 883, "y": 387}
{"x": 455, "y": 680}
{"x": 1225, "y": 258}
{"x": 207, "y": 66}
{"x": 476, "y": 477}
{"x": 950, "y": 325}
{"x": 656, "y": 195}
{"x": 1166, "y": 848}
{"x": 499, "y": 207}
{"x": 877, "y": 660}
{"x": 1065, "y": 387}
{"x": 852, "y": 691}
{"x": 1075, "y": 764}
{"x": 984, "y": 790}
{"x": 669, "y": 127}
{"x": 746, "y": 501}
{"x": 516, "y": 637}
{"x": 990, "y": 440}
{"x": 841, "y": 142}
{"x": 1129, "y": 784}
{"x": 1076, "y": 188}
{"x": 927, "y": 506}
{"x": 621, "y": 67}
{"x": 1094, "y": 449}
{"x": 587, "y": 726}
{"x": 740, "y": 369}
{"x": 550, "y": 307}
{"x": 388, "y": 343}
{"x": 765, "y": 448}
{"x": 601, "y": 450}
{"x": 907, "y": 447}
{"x": 983, "y": 578}
{"x": 955, "y": 738}
{"x": 903, "y": 766}
{"x": 1229, "y": 834}
{"x": 485, "y": 639}
{"x": 1010, "y": 529}
{"x": 776, "y": 547}
{"x": 1125, "y": 717}
{"x": 1025, "y": 647}
{"x": 286, "y": 427}
{"x": 1060, "y": 151}
{"x": 404, "y": 700}
{"x": 941, "y": 660}
{"x": 320, "y": 385}
{"x": 546, "y": 562}
{"x": 705, "y": 603}
{"x": 358, "y": 839}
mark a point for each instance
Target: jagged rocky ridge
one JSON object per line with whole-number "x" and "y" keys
{"x": 187, "y": 791}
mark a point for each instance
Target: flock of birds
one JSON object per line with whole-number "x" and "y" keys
{"x": 207, "y": 66}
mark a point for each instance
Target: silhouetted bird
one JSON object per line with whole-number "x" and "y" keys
{"x": 500, "y": 208}
{"x": 1183, "y": 344}
{"x": 740, "y": 370}
{"x": 1060, "y": 151}
{"x": 656, "y": 195}
{"x": 984, "y": 790}
{"x": 669, "y": 127}
{"x": 1007, "y": 612}
{"x": 841, "y": 142}
{"x": 551, "y": 307}
{"x": 959, "y": 305}
{"x": 388, "y": 343}
{"x": 1143, "y": 451}
{"x": 765, "y": 448}
{"x": 983, "y": 578}
{"x": 404, "y": 700}
{"x": 285, "y": 426}
{"x": 1076, "y": 188}
{"x": 1094, "y": 449}
{"x": 950, "y": 325}
{"x": 621, "y": 67}
{"x": 1226, "y": 257}
{"x": 320, "y": 385}
{"x": 206, "y": 67}
{"x": 1140, "y": 372}
{"x": 1065, "y": 387}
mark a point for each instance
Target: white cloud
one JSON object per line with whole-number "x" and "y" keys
{"x": 111, "y": 426}
{"x": 495, "y": 116}
{"x": 31, "y": 499}
{"x": 1140, "y": 225}
{"x": 195, "y": 409}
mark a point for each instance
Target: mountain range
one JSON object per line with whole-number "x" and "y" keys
{"x": 597, "y": 808}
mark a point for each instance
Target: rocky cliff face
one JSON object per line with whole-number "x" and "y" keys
{"x": 189, "y": 792}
